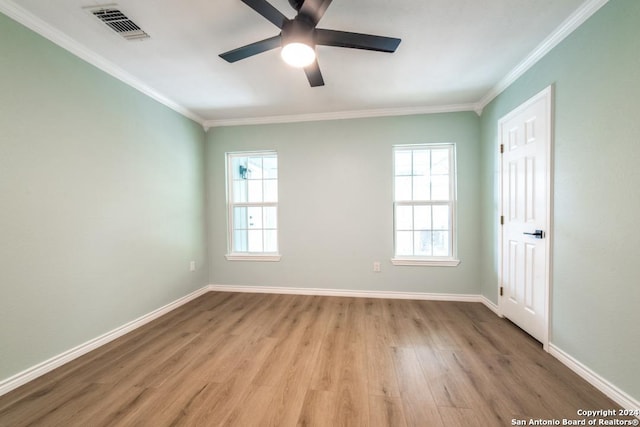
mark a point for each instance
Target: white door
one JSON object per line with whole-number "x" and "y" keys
{"x": 525, "y": 137}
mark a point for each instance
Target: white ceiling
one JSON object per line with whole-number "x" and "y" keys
{"x": 453, "y": 52}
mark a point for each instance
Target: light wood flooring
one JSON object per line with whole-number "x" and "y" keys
{"x": 285, "y": 360}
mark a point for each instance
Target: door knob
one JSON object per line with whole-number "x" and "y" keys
{"x": 538, "y": 234}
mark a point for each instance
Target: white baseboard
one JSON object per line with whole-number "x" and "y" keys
{"x": 359, "y": 294}
{"x": 40, "y": 369}
{"x": 610, "y": 390}
{"x": 490, "y": 305}
{"x": 346, "y": 293}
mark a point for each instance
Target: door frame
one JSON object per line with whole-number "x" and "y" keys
{"x": 548, "y": 95}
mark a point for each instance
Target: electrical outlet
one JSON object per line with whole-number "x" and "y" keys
{"x": 376, "y": 266}
{"x": 192, "y": 266}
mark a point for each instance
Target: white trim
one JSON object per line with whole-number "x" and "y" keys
{"x": 345, "y": 293}
{"x": 490, "y": 305}
{"x": 606, "y": 387}
{"x": 425, "y": 262}
{"x": 547, "y": 95}
{"x": 42, "y": 368}
{"x": 340, "y": 115}
{"x": 56, "y": 36}
{"x": 264, "y": 258}
{"x": 568, "y": 26}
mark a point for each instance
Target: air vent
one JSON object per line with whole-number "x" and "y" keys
{"x": 119, "y": 23}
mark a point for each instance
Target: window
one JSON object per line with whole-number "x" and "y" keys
{"x": 252, "y": 198}
{"x": 424, "y": 205}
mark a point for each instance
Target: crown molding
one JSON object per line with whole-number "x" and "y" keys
{"x": 340, "y": 115}
{"x": 577, "y": 18}
{"x": 40, "y": 27}
{"x": 584, "y": 12}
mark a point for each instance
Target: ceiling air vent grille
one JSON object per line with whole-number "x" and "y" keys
{"x": 119, "y": 23}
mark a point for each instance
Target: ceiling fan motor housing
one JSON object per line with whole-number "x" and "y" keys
{"x": 296, "y": 4}
{"x": 298, "y": 31}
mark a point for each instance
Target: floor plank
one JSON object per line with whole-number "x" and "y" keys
{"x": 386, "y": 411}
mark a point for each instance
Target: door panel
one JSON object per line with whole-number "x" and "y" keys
{"x": 526, "y": 138}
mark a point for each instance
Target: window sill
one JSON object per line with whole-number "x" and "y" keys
{"x": 416, "y": 262}
{"x": 253, "y": 257}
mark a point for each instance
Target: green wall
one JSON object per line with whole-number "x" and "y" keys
{"x": 336, "y": 203}
{"x": 101, "y": 193}
{"x": 595, "y": 297}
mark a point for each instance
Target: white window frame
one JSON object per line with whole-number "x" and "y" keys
{"x": 440, "y": 261}
{"x": 247, "y": 256}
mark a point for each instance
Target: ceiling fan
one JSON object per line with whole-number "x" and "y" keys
{"x": 299, "y": 37}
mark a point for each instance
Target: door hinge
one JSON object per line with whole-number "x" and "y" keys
{"x": 501, "y": 148}
{"x": 501, "y": 219}
{"x": 501, "y": 290}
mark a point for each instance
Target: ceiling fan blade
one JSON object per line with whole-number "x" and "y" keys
{"x": 251, "y": 49}
{"x": 314, "y": 9}
{"x": 265, "y": 9}
{"x": 356, "y": 40}
{"x": 314, "y": 75}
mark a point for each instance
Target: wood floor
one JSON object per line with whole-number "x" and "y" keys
{"x": 285, "y": 360}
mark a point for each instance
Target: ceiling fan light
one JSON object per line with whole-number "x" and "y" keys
{"x": 298, "y": 55}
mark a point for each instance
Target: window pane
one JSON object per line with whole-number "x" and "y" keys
{"x": 239, "y": 191}
{"x": 422, "y": 218}
{"x": 255, "y": 240}
{"x": 404, "y": 218}
{"x": 404, "y": 243}
{"x": 270, "y": 217}
{"x": 403, "y": 162}
{"x": 440, "y": 187}
{"x": 270, "y": 241}
{"x": 240, "y": 241}
{"x": 421, "y": 162}
{"x": 441, "y": 217}
{"x": 403, "y": 188}
{"x": 239, "y": 218}
{"x": 440, "y": 162}
{"x": 255, "y": 191}
{"x": 422, "y": 243}
{"x": 255, "y": 217}
{"x": 255, "y": 167}
{"x": 441, "y": 243}
{"x": 239, "y": 167}
{"x": 270, "y": 167}
{"x": 252, "y": 184}
{"x": 422, "y": 177}
{"x": 420, "y": 188}
{"x": 270, "y": 190}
